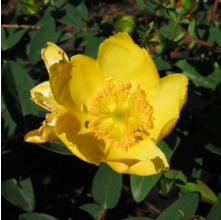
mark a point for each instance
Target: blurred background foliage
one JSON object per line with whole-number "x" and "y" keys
{"x": 46, "y": 182}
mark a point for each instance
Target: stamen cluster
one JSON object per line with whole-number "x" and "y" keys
{"x": 120, "y": 115}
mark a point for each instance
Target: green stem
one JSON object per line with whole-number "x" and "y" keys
{"x": 177, "y": 21}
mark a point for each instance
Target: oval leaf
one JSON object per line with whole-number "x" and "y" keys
{"x": 42, "y": 36}
{"x": 141, "y": 185}
{"x": 8, "y": 125}
{"x": 175, "y": 175}
{"x": 57, "y": 147}
{"x": 106, "y": 188}
{"x": 187, "y": 204}
{"x": 207, "y": 195}
{"x": 93, "y": 209}
{"x": 214, "y": 149}
{"x": 202, "y": 73}
{"x": 69, "y": 15}
{"x": 16, "y": 185}
{"x": 214, "y": 213}
{"x": 36, "y": 216}
{"x": 162, "y": 65}
{"x": 14, "y": 38}
{"x": 17, "y": 94}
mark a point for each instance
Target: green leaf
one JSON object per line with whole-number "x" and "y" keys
{"x": 214, "y": 213}
{"x": 162, "y": 65}
{"x": 3, "y": 36}
{"x": 57, "y": 147}
{"x": 185, "y": 21}
{"x": 8, "y": 125}
{"x": 13, "y": 38}
{"x": 141, "y": 186}
{"x": 19, "y": 193}
{"x": 213, "y": 38}
{"x": 168, "y": 187}
{"x": 197, "y": 169}
{"x": 35, "y": 216}
{"x": 16, "y": 86}
{"x": 69, "y": 15}
{"x": 42, "y": 36}
{"x": 169, "y": 144}
{"x": 170, "y": 13}
{"x": 93, "y": 209}
{"x": 175, "y": 175}
{"x": 106, "y": 188}
{"x": 167, "y": 30}
{"x": 191, "y": 45}
{"x": 168, "y": 184}
{"x": 193, "y": 185}
{"x": 141, "y": 4}
{"x": 192, "y": 26}
{"x": 202, "y": 73}
{"x": 92, "y": 43}
{"x": 16, "y": 186}
{"x": 83, "y": 11}
{"x": 178, "y": 36}
{"x": 187, "y": 204}
{"x": 214, "y": 149}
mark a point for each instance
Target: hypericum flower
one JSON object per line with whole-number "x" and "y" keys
{"x": 116, "y": 108}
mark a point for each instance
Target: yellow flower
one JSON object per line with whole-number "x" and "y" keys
{"x": 116, "y": 107}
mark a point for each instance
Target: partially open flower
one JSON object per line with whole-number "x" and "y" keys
{"x": 116, "y": 108}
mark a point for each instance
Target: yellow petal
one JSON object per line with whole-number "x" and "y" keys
{"x": 41, "y": 135}
{"x": 44, "y": 90}
{"x": 123, "y": 61}
{"x": 167, "y": 101}
{"x": 143, "y": 158}
{"x": 60, "y": 76}
{"x": 34, "y": 137}
{"x": 72, "y": 132}
{"x": 76, "y": 83}
{"x": 53, "y": 54}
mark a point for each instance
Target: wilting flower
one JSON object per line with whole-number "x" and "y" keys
{"x": 113, "y": 109}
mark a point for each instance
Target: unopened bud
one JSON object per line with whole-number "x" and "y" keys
{"x": 154, "y": 43}
{"x": 124, "y": 23}
{"x": 30, "y": 7}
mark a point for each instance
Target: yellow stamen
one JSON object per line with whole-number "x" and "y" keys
{"x": 120, "y": 115}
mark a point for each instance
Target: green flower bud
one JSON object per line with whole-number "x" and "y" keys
{"x": 124, "y": 23}
{"x": 30, "y": 7}
{"x": 154, "y": 43}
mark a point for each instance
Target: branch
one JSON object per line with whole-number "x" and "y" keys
{"x": 197, "y": 40}
{"x": 102, "y": 214}
{"x": 20, "y": 26}
{"x": 177, "y": 21}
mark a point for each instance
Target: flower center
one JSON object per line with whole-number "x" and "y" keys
{"x": 120, "y": 115}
